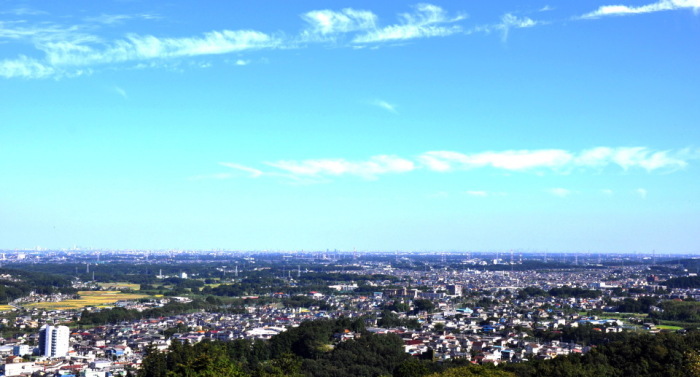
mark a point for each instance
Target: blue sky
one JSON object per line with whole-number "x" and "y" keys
{"x": 289, "y": 125}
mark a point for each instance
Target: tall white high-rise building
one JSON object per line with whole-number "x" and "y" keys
{"x": 53, "y": 340}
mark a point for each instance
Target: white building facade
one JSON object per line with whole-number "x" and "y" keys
{"x": 53, "y": 340}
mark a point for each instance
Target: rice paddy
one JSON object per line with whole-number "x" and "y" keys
{"x": 87, "y": 298}
{"x": 118, "y": 286}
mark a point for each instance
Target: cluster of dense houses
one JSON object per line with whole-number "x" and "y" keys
{"x": 494, "y": 333}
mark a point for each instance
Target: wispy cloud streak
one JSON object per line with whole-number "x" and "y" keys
{"x": 72, "y": 50}
{"x": 426, "y": 21}
{"x": 623, "y": 10}
{"x": 370, "y": 169}
{"x": 560, "y": 192}
{"x": 386, "y": 106}
{"x": 553, "y": 160}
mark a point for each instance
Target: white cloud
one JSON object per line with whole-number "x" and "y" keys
{"x": 537, "y": 161}
{"x": 68, "y": 51}
{"x": 113, "y": 19}
{"x": 369, "y": 169}
{"x": 641, "y": 192}
{"x": 323, "y": 23}
{"x": 242, "y": 62}
{"x": 77, "y": 49}
{"x": 147, "y": 47}
{"x": 121, "y": 92}
{"x": 24, "y": 12}
{"x": 477, "y": 193}
{"x": 440, "y": 195}
{"x": 632, "y": 157}
{"x": 426, "y": 21}
{"x": 663, "y": 5}
{"x": 386, "y": 106}
{"x": 25, "y": 67}
{"x": 41, "y": 32}
{"x": 560, "y": 192}
{"x": 254, "y": 173}
{"x": 509, "y": 21}
{"x": 508, "y": 160}
{"x": 557, "y": 160}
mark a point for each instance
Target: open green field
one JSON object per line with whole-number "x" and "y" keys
{"x": 88, "y": 298}
{"x": 668, "y": 327}
{"x": 623, "y": 316}
{"x": 678, "y": 324}
{"x": 118, "y": 286}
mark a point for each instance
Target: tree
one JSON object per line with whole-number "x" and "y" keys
{"x": 473, "y": 371}
{"x": 423, "y": 305}
{"x": 411, "y": 368}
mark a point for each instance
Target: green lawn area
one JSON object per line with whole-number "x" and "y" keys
{"x": 623, "y": 316}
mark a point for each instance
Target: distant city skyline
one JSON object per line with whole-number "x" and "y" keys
{"x": 444, "y": 125}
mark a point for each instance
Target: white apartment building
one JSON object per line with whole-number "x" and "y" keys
{"x": 53, "y": 340}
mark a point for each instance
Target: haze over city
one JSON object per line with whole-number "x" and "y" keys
{"x": 446, "y": 125}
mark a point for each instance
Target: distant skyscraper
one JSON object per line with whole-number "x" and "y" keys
{"x": 53, "y": 340}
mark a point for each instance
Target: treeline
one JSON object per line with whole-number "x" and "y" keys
{"x": 684, "y": 311}
{"x": 683, "y": 282}
{"x": 312, "y": 350}
{"x": 307, "y": 350}
{"x": 567, "y": 291}
{"x": 584, "y": 334}
{"x": 116, "y": 315}
{"x": 640, "y": 305}
{"x": 662, "y": 355}
{"x": 22, "y": 283}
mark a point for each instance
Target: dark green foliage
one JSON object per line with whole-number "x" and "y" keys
{"x": 24, "y": 282}
{"x": 473, "y": 371}
{"x": 371, "y": 355}
{"x": 305, "y": 302}
{"x": 205, "y": 359}
{"x": 310, "y": 338}
{"x": 423, "y": 305}
{"x": 685, "y": 311}
{"x": 413, "y": 368}
{"x": 567, "y": 291}
{"x": 116, "y": 315}
{"x": 641, "y": 305}
{"x": 390, "y": 320}
{"x": 309, "y": 350}
{"x": 397, "y": 306}
{"x": 662, "y": 355}
{"x": 683, "y": 282}
{"x": 531, "y": 292}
